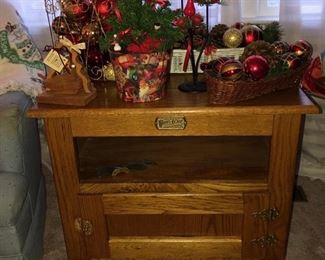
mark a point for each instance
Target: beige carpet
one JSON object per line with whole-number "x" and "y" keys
{"x": 307, "y": 236}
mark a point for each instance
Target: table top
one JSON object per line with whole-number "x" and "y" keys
{"x": 288, "y": 101}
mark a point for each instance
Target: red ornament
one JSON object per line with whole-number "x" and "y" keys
{"x": 290, "y": 61}
{"x": 217, "y": 64}
{"x": 107, "y": 27}
{"x": 302, "y": 49}
{"x": 231, "y": 70}
{"x": 103, "y": 8}
{"x": 197, "y": 19}
{"x": 181, "y": 22}
{"x": 74, "y": 36}
{"x": 256, "y": 67}
{"x": 189, "y": 9}
{"x": 94, "y": 57}
{"x": 251, "y": 33}
{"x": 205, "y": 66}
{"x": 77, "y": 11}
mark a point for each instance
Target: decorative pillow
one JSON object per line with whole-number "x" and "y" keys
{"x": 21, "y": 66}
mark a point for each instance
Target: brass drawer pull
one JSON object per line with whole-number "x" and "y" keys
{"x": 171, "y": 123}
{"x": 83, "y": 226}
{"x": 267, "y": 214}
{"x": 268, "y": 240}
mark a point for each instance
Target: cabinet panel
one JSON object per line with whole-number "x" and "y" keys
{"x": 181, "y": 247}
{"x": 174, "y": 225}
{"x": 196, "y": 125}
{"x": 163, "y": 203}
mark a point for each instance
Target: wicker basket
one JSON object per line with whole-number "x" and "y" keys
{"x": 229, "y": 92}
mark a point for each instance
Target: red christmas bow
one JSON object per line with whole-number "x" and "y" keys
{"x": 148, "y": 45}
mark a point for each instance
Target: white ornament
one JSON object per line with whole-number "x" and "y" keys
{"x": 117, "y": 47}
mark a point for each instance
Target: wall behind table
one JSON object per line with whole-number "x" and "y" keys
{"x": 34, "y": 16}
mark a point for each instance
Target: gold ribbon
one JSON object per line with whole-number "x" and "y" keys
{"x": 76, "y": 47}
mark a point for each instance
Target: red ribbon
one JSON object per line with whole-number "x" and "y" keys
{"x": 123, "y": 33}
{"x": 147, "y": 45}
{"x": 187, "y": 55}
{"x": 116, "y": 11}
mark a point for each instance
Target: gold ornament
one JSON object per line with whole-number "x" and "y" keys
{"x": 90, "y": 31}
{"x": 232, "y": 38}
{"x": 108, "y": 72}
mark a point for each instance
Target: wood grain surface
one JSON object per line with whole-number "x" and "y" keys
{"x": 283, "y": 169}
{"x": 175, "y": 225}
{"x": 171, "y": 247}
{"x": 65, "y": 171}
{"x": 196, "y": 197}
{"x": 155, "y": 203}
{"x": 107, "y": 104}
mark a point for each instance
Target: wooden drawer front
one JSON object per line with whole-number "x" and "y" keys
{"x": 196, "y": 125}
{"x": 174, "y": 225}
{"x": 120, "y": 204}
{"x": 175, "y": 247}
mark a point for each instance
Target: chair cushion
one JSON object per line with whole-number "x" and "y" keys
{"x": 15, "y": 213}
{"x": 13, "y": 192}
{"x": 13, "y": 106}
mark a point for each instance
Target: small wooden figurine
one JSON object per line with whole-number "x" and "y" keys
{"x": 73, "y": 87}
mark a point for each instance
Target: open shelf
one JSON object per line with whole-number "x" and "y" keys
{"x": 173, "y": 159}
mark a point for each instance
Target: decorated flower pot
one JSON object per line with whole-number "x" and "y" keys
{"x": 141, "y": 77}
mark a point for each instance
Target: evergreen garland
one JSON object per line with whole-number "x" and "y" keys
{"x": 271, "y": 32}
{"x": 141, "y": 18}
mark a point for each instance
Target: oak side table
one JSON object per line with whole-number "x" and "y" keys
{"x": 177, "y": 178}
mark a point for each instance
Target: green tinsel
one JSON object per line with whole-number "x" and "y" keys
{"x": 141, "y": 18}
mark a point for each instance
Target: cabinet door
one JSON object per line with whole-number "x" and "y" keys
{"x": 255, "y": 225}
{"x": 92, "y": 225}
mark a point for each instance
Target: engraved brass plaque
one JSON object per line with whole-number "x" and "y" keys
{"x": 171, "y": 123}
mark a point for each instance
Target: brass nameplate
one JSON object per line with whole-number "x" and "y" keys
{"x": 171, "y": 123}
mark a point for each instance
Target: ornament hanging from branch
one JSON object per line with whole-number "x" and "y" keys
{"x": 83, "y": 21}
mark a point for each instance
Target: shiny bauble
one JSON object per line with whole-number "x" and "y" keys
{"x": 302, "y": 49}
{"x": 94, "y": 57}
{"x": 280, "y": 47}
{"x": 108, "y": 72}
{"x": 251, "y": 33}
{"x": 217, "y": 64}
{"x": 290, "y": 61}
{"x": 231, "y": 70}
{"x": 90, "y": 31}
{"x": 205, "y": 66}
{"x": 197, "y": 19}
{"x": 232, "y": 38}
{"x": 103, "y": 8}
{"x": 60, "y": 26}
{"x": 256, "y": 67}
{"x": 74, "y": 36}
{"x": 76, "y": 11}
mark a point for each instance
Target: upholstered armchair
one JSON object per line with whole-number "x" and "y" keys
{"x": 22, "y": 189}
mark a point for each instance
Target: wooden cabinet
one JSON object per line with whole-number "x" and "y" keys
{"x": 178, "y": 178}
